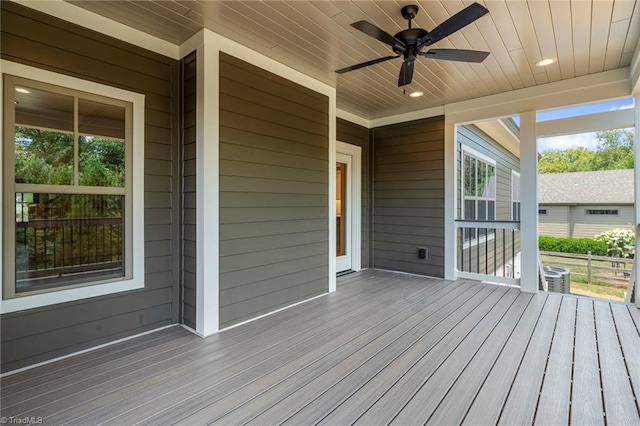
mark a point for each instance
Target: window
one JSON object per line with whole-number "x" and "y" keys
{"x": 601, "y": 212}
{"x": 515, "y": 196}
{"x": 542, "y": 212}
{"x": 479, "y": 191}
{"x": 68, "y": 191}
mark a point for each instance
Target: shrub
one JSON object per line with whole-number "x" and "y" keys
{"x": 617, "y": 239}
{"x": 573, "y": 245}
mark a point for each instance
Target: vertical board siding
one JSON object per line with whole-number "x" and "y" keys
{"x": 274, "y": 190}
{"x": 480, "y": 258}
{"x": 38, "y": 40}
{"x": 189, "y": 190}
{"x": 408, "y": 196}
{"x": 354, "y": 134}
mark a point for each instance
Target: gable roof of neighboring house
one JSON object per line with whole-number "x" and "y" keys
{"x": 601, "y": 187}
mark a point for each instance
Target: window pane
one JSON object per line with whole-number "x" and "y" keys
{"x": 469, "y": 209}
{"x": 39, "y": 108}
{"x": 515, "y": 187}
{"x": 101, "y": 161}
{"x": 482, "y": 210}
{"x": 491, "y": 210}
{"x": 469, "y": 176}
{"x": 98, "y": 119}
{"x": 43, "y": 156}
{"x": 490, "y": 190}
{"x": 64, "y": 239}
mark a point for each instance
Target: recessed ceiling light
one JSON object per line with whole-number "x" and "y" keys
{"x": 22, "y": 90}
{"x": 416, "y": 94}
{"x": 545, "y": 62}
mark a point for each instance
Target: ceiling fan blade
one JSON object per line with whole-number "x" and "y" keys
{"x": 456, "y": 55}
{"x": 365, "y": 64}
{"x": 379, "y": 34}
{"x": 406, "y": 73}
{"x": 453, "y": 24}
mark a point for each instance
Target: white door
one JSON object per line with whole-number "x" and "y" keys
{"x": 347, "y": 207}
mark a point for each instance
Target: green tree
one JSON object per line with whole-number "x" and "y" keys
{"x": 565, "y": 161}
{"x": 614, "y": 151}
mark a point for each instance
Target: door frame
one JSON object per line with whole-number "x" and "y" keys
{"x": 354, "y": 208}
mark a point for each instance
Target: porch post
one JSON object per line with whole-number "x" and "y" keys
{"x": 529, "y": 203}
{"x": 450, "y": 249}
{"x": 207, "y": 186}
{"x": 636, "y": 180}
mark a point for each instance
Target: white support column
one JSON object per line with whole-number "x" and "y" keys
{"x": 207, "y": 186}
{"x": 636, "y": 181}
{"x": 450, "y": 249}
{"x": 332, "y": 284}
{"x": 529, "y": 203}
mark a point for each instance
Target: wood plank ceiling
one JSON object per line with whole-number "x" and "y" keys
{"x": 315, "y": 37}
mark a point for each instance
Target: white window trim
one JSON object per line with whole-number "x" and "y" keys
{"x": 472, "y": 152}
{"x": 20, "y": 303}
{"x": 513, "y": 174}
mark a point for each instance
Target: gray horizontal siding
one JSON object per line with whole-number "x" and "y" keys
{"x": 357, "y": 135}
{"x": 587, "y": 226}
{"x": 408, "y": 196}
{"x": 480, "y": 258}
{"x": 555, "y": 223}
{"x": 273, "y": 192}
{"x": 36, "y": 335}
{"x": 189, "y": 239}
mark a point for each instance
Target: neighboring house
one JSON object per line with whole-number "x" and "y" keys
{"x": 583, "y": 204}
{"x": 227, "y": 208}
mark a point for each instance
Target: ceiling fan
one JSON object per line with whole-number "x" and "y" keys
{"x": 410, "y": 42}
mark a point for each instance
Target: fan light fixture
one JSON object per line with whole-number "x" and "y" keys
{"x": 416, "y": 94}
{"x": 545, "y": 62}
{"x": 22, "y": 90}
{"x": 410, "y": 44}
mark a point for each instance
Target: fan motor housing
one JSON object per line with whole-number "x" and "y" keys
{"x": 410, "y": 37}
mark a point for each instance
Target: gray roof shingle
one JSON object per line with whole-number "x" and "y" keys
{"x": 601, "y": 187}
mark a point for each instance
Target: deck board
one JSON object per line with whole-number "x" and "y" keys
{"x": 310, "y": 401}
{"x": 555, "y": 395}
{"x": 619, "y": 402}
{"x": 397, "y": 396}
{"x": 454, "y": 406}
{"x": 630, "y": 341}
{"x": 385, "y": 347}
{"x": 431, "y": 347}
{"x": 487, "y": 405}
{"x": 435, "y": 388}
{"x": 519, "y": 408}
{"x": 586, "y": 408}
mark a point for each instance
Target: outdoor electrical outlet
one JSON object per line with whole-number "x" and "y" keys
{"x": 423, "y": 253}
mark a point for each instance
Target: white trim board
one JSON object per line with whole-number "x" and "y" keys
{"x": 575, "y": 91}
{"x": 619, "y": 119}
{"x": 356, "y": 201}
{"x": 208, "y": 46}
{"x": 346, "y": 115}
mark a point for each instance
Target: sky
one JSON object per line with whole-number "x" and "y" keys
{"x": 587, "y": 140}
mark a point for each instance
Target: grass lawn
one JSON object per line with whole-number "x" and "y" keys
{"x": 597, "y": 288}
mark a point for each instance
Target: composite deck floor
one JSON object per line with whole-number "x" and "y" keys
{"x": 385, "y": 348}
